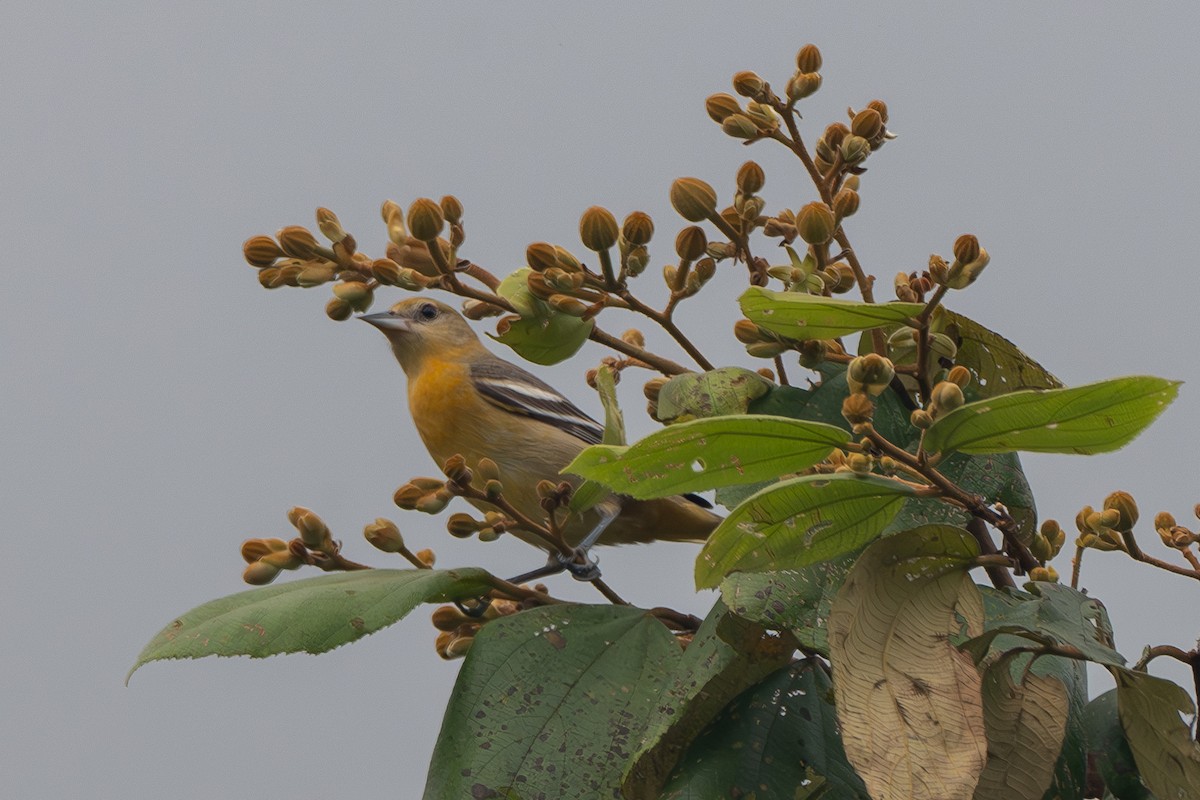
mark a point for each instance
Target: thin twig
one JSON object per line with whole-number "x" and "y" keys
{"x": 1135, "y": 552}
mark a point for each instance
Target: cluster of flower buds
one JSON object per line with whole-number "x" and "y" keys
{"x": 553, "y": 495}
{"x": 266, "y": 558}
{"x": 802, "y": 275}
{"x": 756, "y": 119}
{"x": 947, "y": 394}
{"x": 1172, "y": 534}
{"x": 969, "y": 262}
{"x": 488, "y": 529}
{"x": 457, "y": 630}
{"x": 427, "y": 495}
{"x": 911, "y": 287}
{"x": 902, "y": 346}
{"x": 871, "y": 373}
{"x": 417, "y": 252}
{"x": 1047, "y": 541}
{"x": 1104, "y": 529}
{"x": 760, "y": 342}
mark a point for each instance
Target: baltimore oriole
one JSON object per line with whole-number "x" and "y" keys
{"x": 466, "y": 400}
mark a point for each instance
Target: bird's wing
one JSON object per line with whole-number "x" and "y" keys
{"x": 514, "y": 390}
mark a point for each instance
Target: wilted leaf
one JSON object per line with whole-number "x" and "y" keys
{"x": 777, "y": 740}
{"x": 552, "y": 702}
{"x": 1096, "y": 418}
{"x": 798, "y": 522}
{"x": 1167, "y": 757}
{"x": 706, "y": 453}
{"x": 999, "y": 364}
{"x": 727, "y": 390}
{"x": 795, "y": 315}
{"x": 908, "y": 700}
{"x": 1025, "y": 723}
{"x": 312, "y": 615}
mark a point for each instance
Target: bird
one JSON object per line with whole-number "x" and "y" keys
{"x": 466, "y": 400}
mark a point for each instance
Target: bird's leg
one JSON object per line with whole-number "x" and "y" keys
{"x": 589, "y": 570}
{"x": 553, "y": 567}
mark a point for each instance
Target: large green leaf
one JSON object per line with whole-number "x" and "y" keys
{"x": 727, "y": 655}
{"x": 908, "y": 700}
{"x": 312, "y": 615}
{"x": 796, "y": 600}
{"x": 726, "y": 390}
{"x": 552, "y": 702}
{"x": 1096, "y": 418}
{"x": 798, "y": 522}
{"x": 1025, "y": 723}
{"x": 1000, "y": 366}
{"x": 776, "y": 740}
{"x": 1109, "y": 749}
{"x": 1167, "y": 756}
{"x": 796, "y": 315}
{"x": 706, "y": 453}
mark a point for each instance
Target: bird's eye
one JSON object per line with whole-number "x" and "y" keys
{"x": 427, "y": 311}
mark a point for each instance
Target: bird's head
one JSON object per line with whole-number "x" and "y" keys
{"x": 420, "y": 327}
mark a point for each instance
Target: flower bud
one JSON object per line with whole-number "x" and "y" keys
{"x": 384, "y": 535}
{"x": 270, "y": 278}
{"x": 1040, "y": 547}
{"x": 946, "y": 397}
{"x": 747, "y": 83}
{"x": 1044, "y": 574}
{"x": 966, "y": 248}
{"x": 407, "y": 496}
{"x": 694, "y": 199}
{"x": 721, "y": 105}
{"x": 313, "y": 530}
{"x": 815, "y": 223}
{"x": 766, "y": 349}
{"x": 855, "y": 149}
{"x": 841, "y": 278}
{"x": 880, "y": 108}
{"x": 447, "y": 618}
{"x": 357, "y": 294}
{"x": 808, "y": 59}
{"x": 462, "y": 526}
{"x": 261, "y": 251}
{"x": 425, "y": 219}
{"x": 858, "y": 408}
{"x": 739, "y": 126}
{"x": 254, "y": 549}
{"x": 920, "y": 419}
{"x": 458, "y": 647}
{"x": 802, "y": 85}
{"x": 329, "y": 225}
{"x": 638, "y": 228}
{"x": 747, "y": 332}
{"x": 426, "y": 557}
{"x": 598, "y": 229}
{"x": 297, "y": 242}
{"x": 338, "y": 310}
{"x": 260, "y": 573}
{"x": 704, "y": 269}
{"x": 960, "y": 375}
{"x": 871, "y": 373}
{"x": 452, "y": 209}
{"x": 314, "y": 275}
{"x": 845, "y": 203}
{"x": 1053, "y": 534}
{"x": 283, "y": 559}
{"x": 1126, "y": 508}
{"x": 750, "y": 178}
{"x": 867, "y": 124}
{"x": 860, "y": 463}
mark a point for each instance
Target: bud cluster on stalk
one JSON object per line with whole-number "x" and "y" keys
{"x": 457, "y": 628}
{"x": 1105, "y": 529}
{"x": 969, "y": 262}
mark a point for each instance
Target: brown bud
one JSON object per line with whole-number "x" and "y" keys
{"x": 815, "y": 223}
{"x": 802, "y": 85}
{"x": 966, "y": 248}
{"x": 270, "y": 278}
{"x": 750, "y": 178}
{"x": 638, "y": 228}
{"x": 858, "y": 408}
{"x": 704, "y": 269}
{"x": 691, "y": 243}
{"x": 447, "y": 618}
{"x": 452, "y": 209}
{"x": 880, "y": 108}
{"x": 261, "y": 251}
{"x": 426, "y": 557}
{"x": 313, "y": 530}
{"x": 808, "y": 59}
{"x": 694, "y": 199}
{"x": 455, "y": 468}
{"x": 384, "y": 535}
{"x": 960, "y": 375}
{"x": 747, "y": 332}
{"x": 867, "y": 124}
{"x": 721, "y": 105}
{"x": 739, "y": 126}
{"x": 747, "y": 83}
{"x": 260, "y": 573}
{"x": 329, "y": 225}
{"x": 1126, "y": 508}
{"x": 845, "y": 203}
{"x": 946, "y": 397}
{"x": 407, "y": 496}
{"x": 920, "y": 419}
{"x": 462, "y": 526}
{"x": 297, "y": 242}
{"x": 855, "y": 149}
{"x": 1044, "y": 574}
{"x": 386, "y": 271}
{"x": 314, "y": 275}
{"x": 653, "y": 387}
{"x": 835, "y": 134}
{"x": 842, "y": 276}
{"x": 459, "y": 646}
{"x": 338, "y": 310}
{"x": 425, "y": 219}
{"x": 254, "y": 549}
{"x": 598, "y": 229}
{"x": 357, "y": 294}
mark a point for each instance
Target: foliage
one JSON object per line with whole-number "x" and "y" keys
{"x": 869, "y": 639}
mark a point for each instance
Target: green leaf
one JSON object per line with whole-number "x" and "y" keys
{"x": 311, "y": 615}
{"x": 589, "y": 492}
{"x": 1048, "y": 612}
{"x": 541, "y": 334}
{"x": 795, "y": 315}
{"x": 1108, "y": 747}
{"x": 1025, "y": 723}
{"x": 1167, "y": 757}
{"x": 706, "y": 453}
{"x": 774, "y": 739}
{"x": 798, "y": 522}
{"x": 1000, "y": 366}
{"x": 727, "y": 655}
{"x": 727, "y": 390}
{"x": 908, "y": 700}
{"x": 1096, "y": 418}
{"x": 796, "y": 600}
{"x": 552, "y": 702}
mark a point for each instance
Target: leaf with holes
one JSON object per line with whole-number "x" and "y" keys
{"x": 777, "y": 739}
{"x": 552, "y": 702}
{"x": 908, "y": 700}
{"x": 1001, "y": 366}
{"x": 311, "y": 615}
{"x": 727, "y": 390}
{"x": 1167, "y": 757}
{"x": 798, "y": 522}
{"x": 1025, "y": 723}
{"x": 706, "y": 453}
{"x": 1096, "y": 418}
{"x": 795, "y": 315}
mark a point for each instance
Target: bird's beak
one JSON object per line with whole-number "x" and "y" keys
{"x": 387, "y": 321}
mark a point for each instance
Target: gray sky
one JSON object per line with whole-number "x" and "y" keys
{"x": 159, "y": 407}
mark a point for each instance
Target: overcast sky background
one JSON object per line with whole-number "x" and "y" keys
{"x": 158, "y": 406}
